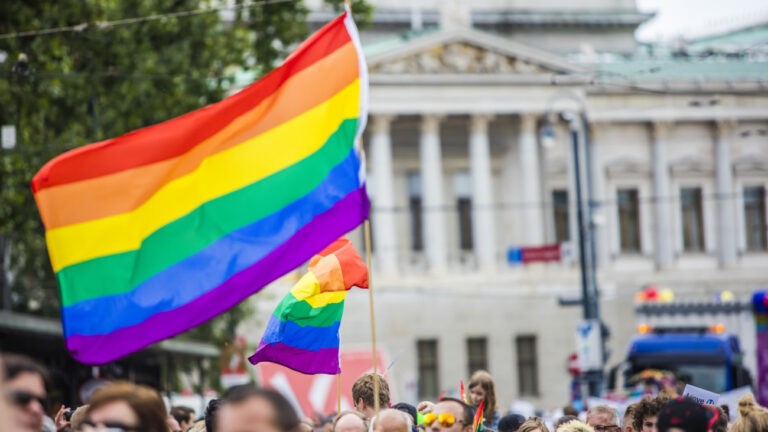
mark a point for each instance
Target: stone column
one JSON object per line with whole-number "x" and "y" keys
{"x": 726, "y": 202}
{"x": 530, "y": 181}
{"x": 433, "y": 213}
{"x": 384, "y": 222}
{"x": 662, "y": 209}
{"x": 483, "y": 224}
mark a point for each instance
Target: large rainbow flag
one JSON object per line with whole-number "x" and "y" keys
{"x": 156, "y": 231}
{"x": 303, "y": 331}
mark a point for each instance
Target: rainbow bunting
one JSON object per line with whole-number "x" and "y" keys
{"x": 161, "y": 229}
{"x": 303, "y": 331}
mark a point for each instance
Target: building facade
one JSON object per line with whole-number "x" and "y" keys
{"x": 461, "y": 176}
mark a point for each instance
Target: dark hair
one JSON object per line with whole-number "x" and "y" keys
{"x": 144, "y": 401}
{"x": 565, "y": 419}
{"x": 285, "y": 418}
{"x": 363, "y": 389}
{"x": 16, "y": 364}
{"x": 648, "y": 407}
{"x": 485, "y": 380}
{"x": 721, "y": 424}
{"x": 510, "y": 423}
{"x": 181, "y": 413}
{"x": 210, "y": 415}
{"x": 469, "y": 412}
{"x": 408, "y": 409}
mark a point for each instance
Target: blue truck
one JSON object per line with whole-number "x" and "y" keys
{"x": 705, "y": 357}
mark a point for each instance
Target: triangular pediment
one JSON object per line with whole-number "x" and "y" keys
{"x": 463, "y": 51}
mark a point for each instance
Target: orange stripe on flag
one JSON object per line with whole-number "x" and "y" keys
{"x": 95, "y": 198}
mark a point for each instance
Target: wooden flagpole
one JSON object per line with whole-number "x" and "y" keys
{"x": 367, "y": 226}
{"x": 338, "y": 392}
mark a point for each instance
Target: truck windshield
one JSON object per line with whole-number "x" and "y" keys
{"x": 712, "y": 378}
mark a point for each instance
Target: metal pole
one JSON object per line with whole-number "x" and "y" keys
{"x": 585, "y": 292}
{"x": 588, "y": 287}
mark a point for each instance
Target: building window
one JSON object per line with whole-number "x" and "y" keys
{"x": 477, "y": 354}
{"x": 415, "y": 211}
{"x": 527, "y": 366}
{"x": 428, "y": 385}
{"x": 462, "y": 186}
{"x": 560, "y": 215}
{"x": 754, "y": 218}
{"x": 692, "y": 219}
{"x": 629, "y": 220}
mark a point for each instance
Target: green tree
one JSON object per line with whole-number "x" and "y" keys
{"x": 66, "y": 89}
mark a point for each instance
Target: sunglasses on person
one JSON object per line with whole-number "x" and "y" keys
{"x": 109, "y": 426}
{"x": 609, "y": 428}
{"x": 22, "y": 398}
{"x": 444, "y": 419}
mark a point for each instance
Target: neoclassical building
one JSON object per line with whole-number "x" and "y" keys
{"x": 461, "y": 178}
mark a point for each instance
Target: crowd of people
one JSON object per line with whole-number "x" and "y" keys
{"x": 126, "y": 407}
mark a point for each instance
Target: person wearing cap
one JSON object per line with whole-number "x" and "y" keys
{"x": 686, "y": 415}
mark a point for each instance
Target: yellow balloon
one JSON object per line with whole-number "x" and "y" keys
{"x": 726, "y": 296}
{"x": 666, "y": 295}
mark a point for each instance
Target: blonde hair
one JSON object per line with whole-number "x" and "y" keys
{"x": 533, "y": 424}
{"x": 752, "y": 417}
{"x": 575, "y": 426}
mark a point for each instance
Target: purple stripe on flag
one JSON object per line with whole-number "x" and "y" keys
{"x": 344, "y": 216}
{"x": 322, "y": 361}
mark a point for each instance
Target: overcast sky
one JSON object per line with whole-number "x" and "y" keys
{"x": 690, "y": 18}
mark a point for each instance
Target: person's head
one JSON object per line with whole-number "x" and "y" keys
{"x": 481, "y": 389}
{"x": 184, "y": 415}
{"x": 210, "y": 415}
{"x": 450, "y": 415}
{"x": 563, "y": 420}
{"x": 629, "y": 417}
{"x": 646, "y": 414}
{"x": 24, "y": 384}
{"x": 249, "y": 408}
{"x": 363, "y": 394}
{"x": 510, "y": 423}
{"x": 721, "y": 422}
{"x": 392, "y": 420}
{"x": 408, "y": 409}
{"x": 173, "y": 424}
{"x": 603, "y": 418}
{"x": 350, "y": 421}
{"x": 533, "y": 424}
{"x": 78, "y": 417}
{"x": 570, "y": 410}
{"x": 575, "y": 426}
{"x": 752, "y": 417}
{"x": 686, "y": 415}
{"x": 126, "y": 405}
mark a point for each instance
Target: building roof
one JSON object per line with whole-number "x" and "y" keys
{"x": 746, "y": 39}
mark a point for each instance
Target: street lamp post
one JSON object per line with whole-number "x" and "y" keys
{"x": 578, "y": 126}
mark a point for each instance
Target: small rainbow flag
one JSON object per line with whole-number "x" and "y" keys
{"x": 303, "y": 331}
{"x": 161, "y": 229}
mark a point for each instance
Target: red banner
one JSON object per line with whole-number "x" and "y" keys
{"x": 544, "y": 253}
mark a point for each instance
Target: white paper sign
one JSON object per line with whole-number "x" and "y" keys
{"x": 700, "y": 395}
